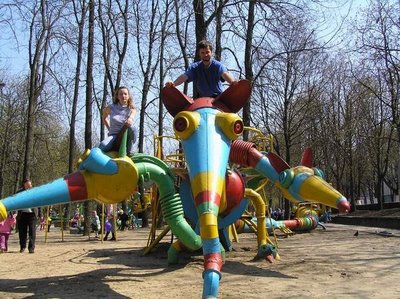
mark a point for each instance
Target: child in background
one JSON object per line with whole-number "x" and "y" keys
{"x": 6, "y": 226}
{"x": 107, "y": 229}
{"x": 110, "y": 220}
{"x": 95, "y": 223}
{"x": 42, "y": 222}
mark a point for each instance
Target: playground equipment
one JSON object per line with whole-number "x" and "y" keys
{"x": 212, "y": 195}
{"x": 305, "y": 223}
{"x": 306, "y": 215}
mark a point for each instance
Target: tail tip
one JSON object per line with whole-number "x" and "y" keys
{"x": 343, "y": 206}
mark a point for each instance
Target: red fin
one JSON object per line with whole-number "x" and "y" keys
{"x": 277, "y": 162}
{"x": 307, "y": 158}
{"x": 235, "y": 96}
{"x": 174, "y": 100}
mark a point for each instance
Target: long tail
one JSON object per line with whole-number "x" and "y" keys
{"x": 297, "y": 184}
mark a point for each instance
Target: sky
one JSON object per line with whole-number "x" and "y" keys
{"x": 13, "y": 56}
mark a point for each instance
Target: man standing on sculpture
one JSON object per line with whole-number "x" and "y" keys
{"x": 207, "y": 74}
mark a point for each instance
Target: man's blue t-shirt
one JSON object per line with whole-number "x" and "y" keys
{"x": 208, "y": 81}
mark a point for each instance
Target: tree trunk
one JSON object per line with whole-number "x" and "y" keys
{"x": 182, "y": 44}
{"x": 39, "y": 41}
{"x": 200, "y": 23}
{"x": 72, "y": 143}
{"x": 248, "y": 63}
{"x": 218, "y": 30}
{"x": 89, "y": 96}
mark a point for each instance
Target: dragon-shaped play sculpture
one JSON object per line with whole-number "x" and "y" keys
{"x": 212, "y": 195}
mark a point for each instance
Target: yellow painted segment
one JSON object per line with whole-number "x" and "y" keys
{"x": 223, "y": 203}
{"x": 285, "y": 193}
{"x": 303, "y": 169}
{"x": 3, "y": 212}
{"x": 111, "y": 189}
{"x": 178, "y": 246}
{"x": 320, "y": 191}
{"x": 83, "y": 157}
{"x": 208, "y": 226}
{"x": 207, "y": 181}
{"x": 233, "y": 233}
{"x": 259, "y": 204}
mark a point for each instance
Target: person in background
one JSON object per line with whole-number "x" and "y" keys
{"x": 49, "y": 220}
{"x": 123, "y": 217}
{"x": 207, "y": 74}
{"x": 6, "y": 226}
{"x": 42, "y": 222}
{"x": 110, "y": 219}
{"x": 74, "y": 222}
{"x": 107, "y": 228}
{"x": 26, "y": 221}
{"x": 117, "y": 115}
{"x": 95, "y": 223}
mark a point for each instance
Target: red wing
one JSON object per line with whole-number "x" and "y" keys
{"x": 174, "y": 100}
{"x": 307, "y": 158}
{"x": 235, "y": 96}
{"x": 277, "y": 162}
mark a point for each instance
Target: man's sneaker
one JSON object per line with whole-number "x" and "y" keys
{"x": 22, "y": 250}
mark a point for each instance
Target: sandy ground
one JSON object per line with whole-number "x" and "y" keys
{"x": 323, "y": 263}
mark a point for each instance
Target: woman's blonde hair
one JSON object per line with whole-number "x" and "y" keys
{"x": 130, "y": 99}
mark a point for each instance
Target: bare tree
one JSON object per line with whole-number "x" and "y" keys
{"x": 248, "y": 63}
{"x": 164, "y": 34}
{"x": 146, "y": 23}
{"x": 42, "y": 20}
{"x": 379, "y": 46}
{"x": 287, "y": 79}
{"x": 12, "y": 123}
{"x": 201, "y": 9}
{"x": 182, "y": 37}
{"x": 113, "y": 21}
{"x": 80, "y": 17}
{"x": 89, "y": 98}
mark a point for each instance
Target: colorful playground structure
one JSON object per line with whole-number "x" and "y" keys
{"x": 306, "y": 217}
{"x": 213, "y": 192}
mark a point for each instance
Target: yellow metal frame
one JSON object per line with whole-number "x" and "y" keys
{"x": 262, "y": 142}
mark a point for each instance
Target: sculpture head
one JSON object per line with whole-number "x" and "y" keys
{"x": 307, "y": 183}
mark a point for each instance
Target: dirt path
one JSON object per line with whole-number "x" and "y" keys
{"x": 319, "y": 264}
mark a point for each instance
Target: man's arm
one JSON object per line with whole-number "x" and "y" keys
{"x": 228, "y": 78}
{"x": 178, "y": 81}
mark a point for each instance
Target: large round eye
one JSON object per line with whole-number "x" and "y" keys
{"x": 286, "y": 178}
{"x": 181, "y": 124}
{"x": 230, "y": 124}
{"x": 318, "y": 172}
{"x": 185, "y": 123}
